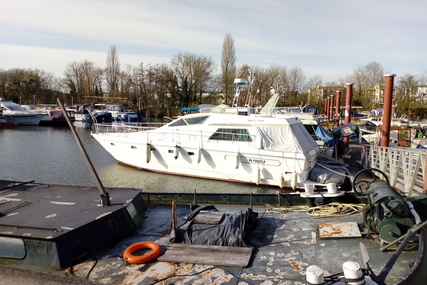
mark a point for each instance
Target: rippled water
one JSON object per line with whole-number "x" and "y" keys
{"x": 51, "y": 155}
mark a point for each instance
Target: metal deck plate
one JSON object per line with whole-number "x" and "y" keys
{"x": 339, "y": 230}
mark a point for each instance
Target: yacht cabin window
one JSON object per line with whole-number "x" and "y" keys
{"x": 189, "y": 121}
{"x": 231, "y": 135}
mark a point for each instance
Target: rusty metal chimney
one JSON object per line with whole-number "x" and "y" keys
{"x": 388, "y": 99}
{"x": 337, "y": 108}
{"x": 347, "y": 116}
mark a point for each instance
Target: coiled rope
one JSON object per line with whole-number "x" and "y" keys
{"x": 334, "y": 210}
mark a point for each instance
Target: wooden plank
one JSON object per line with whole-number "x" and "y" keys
{"x": 211, "y": 218}
{"x": 232, "y": 256}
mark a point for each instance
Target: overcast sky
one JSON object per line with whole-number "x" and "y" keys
{"x": 329, "y": 38}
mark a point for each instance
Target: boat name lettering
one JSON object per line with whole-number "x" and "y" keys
{"x": 252, "y": 160}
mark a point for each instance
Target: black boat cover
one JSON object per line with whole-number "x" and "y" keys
{"x": 231, "y": 230}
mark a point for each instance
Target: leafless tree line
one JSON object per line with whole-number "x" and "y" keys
{"x": 188, "y": 80}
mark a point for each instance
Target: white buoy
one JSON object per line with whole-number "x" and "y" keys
{"x": 176, "y": 152}
{"x": 314, "y": 275}
{"x": 258, "y": 175}
{"x": 148, "y": 153}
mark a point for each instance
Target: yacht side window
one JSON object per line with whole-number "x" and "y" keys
{"x": 231, "y": 135}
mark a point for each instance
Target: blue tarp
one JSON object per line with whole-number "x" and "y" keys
{"x": 190, "y": 109}
{"x": 324, "y": 135}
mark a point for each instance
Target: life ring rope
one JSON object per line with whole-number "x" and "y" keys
{"x": 150, "y": 255}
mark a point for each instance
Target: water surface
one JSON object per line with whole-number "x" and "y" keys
{"x": 51, "y": 155}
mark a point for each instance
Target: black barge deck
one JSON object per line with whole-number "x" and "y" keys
{"x": 56, "y": 226}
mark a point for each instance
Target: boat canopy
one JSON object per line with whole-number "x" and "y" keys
{"x": 190, "y": 109}
{"x": 288, "y": 138}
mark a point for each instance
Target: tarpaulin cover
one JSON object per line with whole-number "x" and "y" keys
{"x": 324, "y": 135}
{"x": 292, "y": 138}
{"x": 328, "y": 173}
{"x": 232, "y": 230}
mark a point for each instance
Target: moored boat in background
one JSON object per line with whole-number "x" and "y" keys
{"x": 6, "y": 123}
{"x": 19, "y": 114}
{"x": 56, "y": 118}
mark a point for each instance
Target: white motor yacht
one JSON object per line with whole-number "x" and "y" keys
{"x": 19, "y": 114}
{"x": 250, "y": 149}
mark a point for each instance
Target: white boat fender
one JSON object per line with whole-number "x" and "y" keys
{"x": 282, "y": 182}
{"x": 199, "y": 154}
{"x": 237, "y": 159}
{"x": 176, "y": 151}
{"x": 258, "y": 175}
{"x": 148, "y": 152}
{"x": 294, "y": 180}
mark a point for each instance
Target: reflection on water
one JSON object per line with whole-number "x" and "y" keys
{"x": 51, "y": 155}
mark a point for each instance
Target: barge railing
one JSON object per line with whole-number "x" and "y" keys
{"x": 404, "y": 166}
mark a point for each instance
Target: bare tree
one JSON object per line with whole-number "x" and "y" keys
{"x": 112, "y": 71}
{"x": 366, "y": 78}
{"x": 406, "y": 87}
{"x": 83, "y": 80}
{"x": 193, "y": 72}
{"x": 228, "y": 65}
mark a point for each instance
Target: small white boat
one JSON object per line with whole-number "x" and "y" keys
{"x": 20, "y": 115}
{"x": 82, "y": 113}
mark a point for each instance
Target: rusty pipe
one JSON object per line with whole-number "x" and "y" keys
{"x": 388, "y": 99}
{"x": 348, "y": 98}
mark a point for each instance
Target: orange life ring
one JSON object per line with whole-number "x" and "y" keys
{"x": 148, "y": 256}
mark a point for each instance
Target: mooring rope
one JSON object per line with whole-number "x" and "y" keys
{"x": 334, "y": 209}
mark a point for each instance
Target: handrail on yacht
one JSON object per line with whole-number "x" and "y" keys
{"x": 191, "y": 135}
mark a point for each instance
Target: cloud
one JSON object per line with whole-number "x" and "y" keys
{"x": 329, "y": 35}
{"x": 55, "y": 60}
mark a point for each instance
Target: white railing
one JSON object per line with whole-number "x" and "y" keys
{"x": 405, "y": 167}
{"x": 152, "y": 130}
{"x": 125, "y": 127}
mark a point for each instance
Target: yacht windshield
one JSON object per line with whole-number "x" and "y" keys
{"x": 189, "y": 121}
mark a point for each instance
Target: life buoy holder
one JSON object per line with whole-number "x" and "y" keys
{"x": 147, "y": 257}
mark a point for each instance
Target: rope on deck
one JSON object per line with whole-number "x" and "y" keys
{"x": 334, "y": 209}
